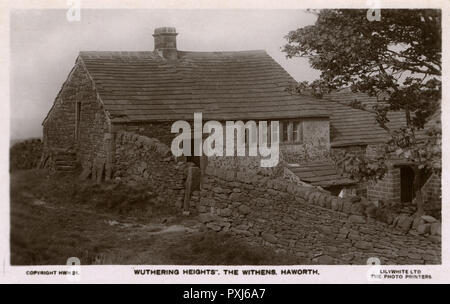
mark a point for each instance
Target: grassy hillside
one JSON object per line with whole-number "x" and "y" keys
{"x": 54, "y": 217}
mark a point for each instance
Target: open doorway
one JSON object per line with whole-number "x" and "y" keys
{"x": 406, "y": 184}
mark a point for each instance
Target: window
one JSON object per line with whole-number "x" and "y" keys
{"x": 284, "y": 129}
{"x": 298, "y": 132}
{"x": 295, "y": 133}
{"x": 291, "y": 132}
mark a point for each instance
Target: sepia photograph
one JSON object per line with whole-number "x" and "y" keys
{"x": 225, "y": 136}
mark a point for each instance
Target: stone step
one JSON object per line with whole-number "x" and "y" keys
{"x": 65, "y": 162}
{"x": 65, "y": 168}
{"x": 63, "y": 154}
{"x": 68, "y": 158}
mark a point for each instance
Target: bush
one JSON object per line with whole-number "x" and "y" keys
{"x": 61, "y": 189}
{"x": 25, "y": 155}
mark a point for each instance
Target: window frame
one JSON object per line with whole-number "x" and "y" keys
{"x": 291, "y": 131}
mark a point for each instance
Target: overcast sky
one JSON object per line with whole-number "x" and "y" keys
{"x": 44, "y": 46}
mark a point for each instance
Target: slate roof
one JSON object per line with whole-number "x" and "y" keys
{"x": 349, "y": 126}
{"x": 141, "y": 86}
{"x": 323, "y": 174}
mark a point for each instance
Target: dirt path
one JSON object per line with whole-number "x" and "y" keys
{"x": 47, "y": 233}
{"x": 57, "y": 217}
{"x": 44, "y": 234}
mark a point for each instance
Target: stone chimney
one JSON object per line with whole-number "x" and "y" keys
{"x": 166, "y": 42}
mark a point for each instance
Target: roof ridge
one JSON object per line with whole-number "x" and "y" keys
{"x": 230, "y": 85}
{"x": 256, "y": 51}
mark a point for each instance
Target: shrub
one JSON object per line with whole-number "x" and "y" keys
{"x": 25, "y": 155}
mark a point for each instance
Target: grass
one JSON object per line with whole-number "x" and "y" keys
{"x": 223, "y": 249}
{"x": 54, "y": 217}
{"x": 68, "y": 190}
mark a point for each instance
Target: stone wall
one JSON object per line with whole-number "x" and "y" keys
{"x": 315, "y": 143}
{"x": 304, "y": 153}
{"x": 312, "y": 224}
{"x": 387, "y": 189}
{"x": 432, "y": 192}
{"x": 245, "y": 164}
{"x": 60, "y": 124}
{"x": 92, "y": 142}
{"x": 158, "y": 130}
{"x": 316, "y": 132}
{"x": 141, "y": 160}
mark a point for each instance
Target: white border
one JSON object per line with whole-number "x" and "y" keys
{"x": 125, "y": 274}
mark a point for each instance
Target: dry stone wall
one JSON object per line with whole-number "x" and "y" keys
{"x": 141, "y": 160}
{"x": 312, "y": 224}
{"x": 432, "y": 195}
{"x": 159, "y": 130}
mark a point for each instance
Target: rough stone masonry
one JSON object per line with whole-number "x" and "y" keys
{"x": 143, "y": 160}
{"x": 312, "y": 224}
{"x": 264, "y": 208}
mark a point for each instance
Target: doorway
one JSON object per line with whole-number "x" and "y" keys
{"x": 406, "y": 184}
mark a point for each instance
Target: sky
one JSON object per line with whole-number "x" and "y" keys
{"x": 44, "y": 45}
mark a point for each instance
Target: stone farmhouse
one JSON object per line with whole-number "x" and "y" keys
{"x": 113, "y": 117}
{"x": 145, "y": 92}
